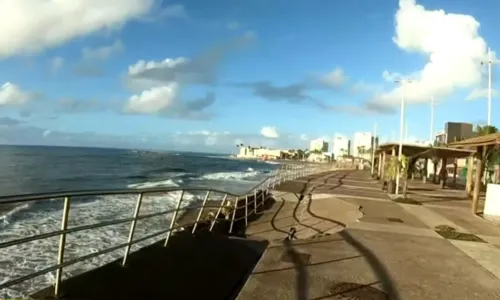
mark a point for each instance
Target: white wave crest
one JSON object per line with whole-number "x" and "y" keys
{"x": 272, "y": 162}
{"x": 153, "y": 184}
{"x": 231, "y": 175}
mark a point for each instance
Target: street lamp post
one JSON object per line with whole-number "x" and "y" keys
{"x": 489, "y": 62}
{"x": 374, "y": 146}
{"x": 431, "y": 138}
{"x": 403, "y": 82}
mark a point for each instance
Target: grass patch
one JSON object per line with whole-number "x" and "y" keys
{"x": 407, "y": 201}
{"x": 451, "y": 233}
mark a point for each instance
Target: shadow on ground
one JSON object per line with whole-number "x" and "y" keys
{"x": 202, "y": 266}
{"x": 338, "y": 290}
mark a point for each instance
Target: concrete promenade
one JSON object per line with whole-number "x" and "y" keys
{"x": 350, "y": 242}
{"x": 386, "y": 251}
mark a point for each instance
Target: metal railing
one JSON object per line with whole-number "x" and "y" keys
{"x": 228, "y": 206}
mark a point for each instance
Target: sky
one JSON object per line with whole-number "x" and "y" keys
{"x": 208, "y": 75}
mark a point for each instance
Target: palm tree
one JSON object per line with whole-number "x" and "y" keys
{"x": 361, "y": 150}
{"x": 491, "y": 156}
{"x": 484, "y": 130}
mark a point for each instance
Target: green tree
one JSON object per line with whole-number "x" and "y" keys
{"x": 317, "y": 151}
{"x": 491, "y": 156}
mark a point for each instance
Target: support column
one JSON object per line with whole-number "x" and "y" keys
{"x": 455, "y": 170}
{"x": 424, "y": 177}
{"x": 413, "y": 168}
{"x": 382, "y": 171}
{"x": 379, "y": 171}
{"x": 442, "y": 173}
{"x": 470, "y": 167}
{"x": 477, "y": 179}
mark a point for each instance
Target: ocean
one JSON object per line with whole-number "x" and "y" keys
{"x": 39, "y": 169}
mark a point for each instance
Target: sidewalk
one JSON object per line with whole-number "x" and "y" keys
{"x": 386, "y": 247}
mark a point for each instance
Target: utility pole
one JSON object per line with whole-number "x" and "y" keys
{"x": 489, "y": 62}
{"x": 374, "y": 146}
{"x": 402, "y": 82}
{"x": 431, "y": 137}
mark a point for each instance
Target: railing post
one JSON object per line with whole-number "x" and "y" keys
{"x": 132, "y": 228}
{"x": 255, "y": 200}
{"x": 234, "y": 214}
{"x": 174, "y": 217}
{"x": 218, "y": 212}
{"x": 246, "y": 210}
{"x": 200, "y": 212}
{"x": 62, "y": 244}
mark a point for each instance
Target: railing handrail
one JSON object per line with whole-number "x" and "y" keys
{"x": 79, "y": 193}
{"x": 277, "y": 176}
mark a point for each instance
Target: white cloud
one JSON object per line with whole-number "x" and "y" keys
{"x": 56, "y": 64}
{"x": 480, "y": 94}
{"x": 11, "y": 94}
{"x": 335, "y": 78}
{"x": 208, "y": 133}
{"x": 269, "y": 132}
{"x": 154, "y": 100}
{"x": 167, "y": 63}
{"x": 452, "y": 44}
{"x": 136, "y": 82}
{"x": 102, "y": 53}
{"x": 29, "y": 26}
{"x": 303, "y": 137}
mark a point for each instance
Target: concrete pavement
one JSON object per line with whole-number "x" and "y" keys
{"x": 386, "y": 251}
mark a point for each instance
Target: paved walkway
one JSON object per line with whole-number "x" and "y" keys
{"x": 385, "y": 246}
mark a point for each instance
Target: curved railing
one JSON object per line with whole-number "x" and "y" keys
{"x": 228, "y": 205}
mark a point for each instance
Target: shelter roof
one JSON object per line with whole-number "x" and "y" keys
{"x": 484, "y": 140}
{"x": 411, "y": 150}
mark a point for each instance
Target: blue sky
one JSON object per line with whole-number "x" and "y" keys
{"x": 217, "y": 73}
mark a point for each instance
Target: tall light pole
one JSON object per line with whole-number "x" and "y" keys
{"x": 489, "y": 62}
{"x": 374, "y": 146}
{"x": 402, "y": 82}
{"x": 431, "y": 138}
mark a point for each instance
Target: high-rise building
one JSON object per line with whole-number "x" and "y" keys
{"x": 341, "y": 146}
{"x": 362, "y": 143}
{"x": 457, "y": 131}
{"x": 453, "y": 132}
{"x": 319, "y": 144}
{"x": 440, "y": 137}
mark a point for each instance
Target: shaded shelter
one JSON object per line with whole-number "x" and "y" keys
{"x": 392, "y": 149}
{"x": 480, "y": 145}
{"x": 415, "y": 152}
{"x": 445, "y": 154}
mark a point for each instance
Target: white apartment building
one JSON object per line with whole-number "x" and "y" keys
{"x": 319, "y": 144}
{"x": 340, "y": 146}
{"x": 362, "y": 140}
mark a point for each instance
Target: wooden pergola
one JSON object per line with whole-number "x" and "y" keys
{"x": 479, "y": 145}
{"x": 419, "y": 151}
